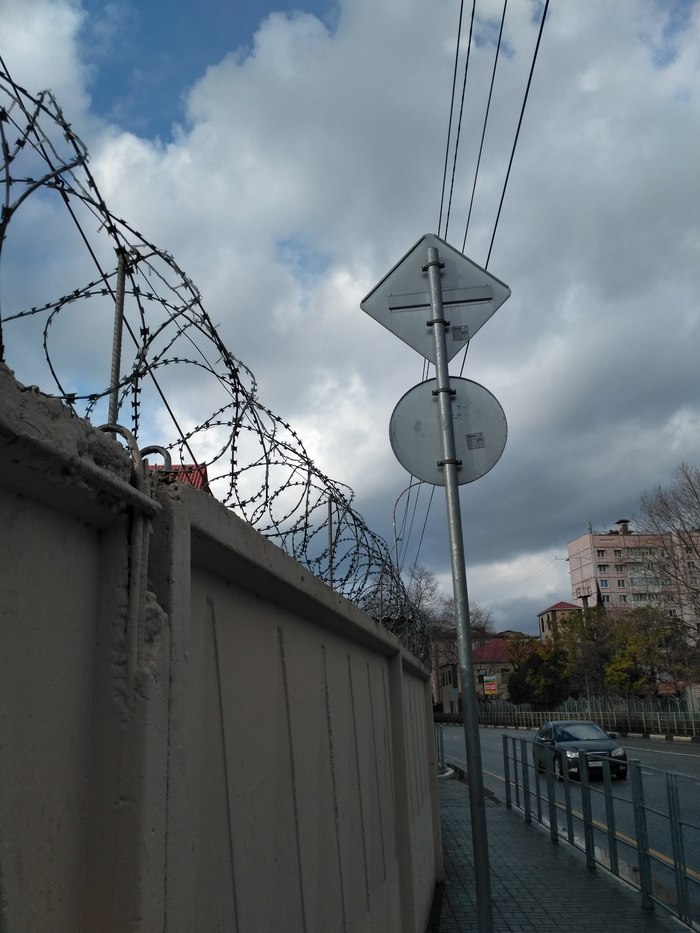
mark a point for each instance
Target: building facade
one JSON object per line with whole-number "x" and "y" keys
{"x": 549, "y": 618}
{"x": 622, "y": 569}
{"x": 492, "y": 668}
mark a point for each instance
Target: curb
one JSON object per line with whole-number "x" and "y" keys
{"x": 660, "y": 737}
{"x": 461, "y": 775}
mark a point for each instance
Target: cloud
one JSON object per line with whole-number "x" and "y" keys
{"x": 310, "y": 160}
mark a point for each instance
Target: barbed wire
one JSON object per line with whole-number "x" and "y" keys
{"x": 253, "y": 461}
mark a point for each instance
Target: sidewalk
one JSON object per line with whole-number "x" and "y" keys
{"x": 536, "y": 885}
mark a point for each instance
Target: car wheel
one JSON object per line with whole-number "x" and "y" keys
{"x": 558, "y": 769}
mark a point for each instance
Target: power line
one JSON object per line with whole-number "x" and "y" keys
{"x": 459, "y": 123}
{"x": 404, "y": 536}
{"x": 420, "y": 541}
{"x": 452, "y": 106}
{"x": 486, "y": 119}
{"x": 517, "y": 132}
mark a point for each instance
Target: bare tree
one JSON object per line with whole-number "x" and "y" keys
{"x": 444, "y": 628}
{"x": 424, "y": 591}
{"x": 672, "y": 513}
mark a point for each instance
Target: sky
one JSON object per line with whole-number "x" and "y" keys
{"x": 288, "y": 155}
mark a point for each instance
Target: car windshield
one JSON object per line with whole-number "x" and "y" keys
{"x": 578, "y": 731}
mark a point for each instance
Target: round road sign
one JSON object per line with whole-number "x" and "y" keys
{"x": 480, "y": 431}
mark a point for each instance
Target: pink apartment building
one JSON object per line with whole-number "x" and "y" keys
{"x": 622, "y": 569}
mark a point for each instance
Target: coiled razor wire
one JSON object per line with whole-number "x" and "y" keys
{"x": 173, "y": 361}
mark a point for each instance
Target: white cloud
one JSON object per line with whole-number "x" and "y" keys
{"x": 312, "y": 161}
{"x": 41, "y": 51}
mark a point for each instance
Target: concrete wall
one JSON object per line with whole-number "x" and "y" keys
{"x": 239, "y": 749}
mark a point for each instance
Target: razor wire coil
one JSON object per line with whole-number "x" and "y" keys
{"x": 255, "y": 462}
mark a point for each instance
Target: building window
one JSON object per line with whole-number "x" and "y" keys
{"x": 620, "y": 584}
{"x": 606, "y": 598}
{"x": 617, "y": 552}
{"x": 691, "y": 565}
{"x": 602, "y": 568}
{"x": 600, "y": 553}
{"x": 619, "y": 568}
{"x": 603, "y": 584}
{"x": 623, "y": 598}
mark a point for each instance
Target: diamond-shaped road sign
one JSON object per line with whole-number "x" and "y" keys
{"x": 401, "y": 301}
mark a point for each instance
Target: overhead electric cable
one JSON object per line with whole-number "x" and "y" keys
{"x": 420, "y": 542}
{"x": 464, "y": 356}
{"x": 459, "y": 122}
{"x": 486, "y": 120}
{"x": 403, "y": 524}
{"x": 452, "y": 107}
{"x": 517, "y": 132}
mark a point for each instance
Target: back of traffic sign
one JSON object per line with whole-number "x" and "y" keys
{"x": 401, "y": 301}
{"x": 480, "y": 431}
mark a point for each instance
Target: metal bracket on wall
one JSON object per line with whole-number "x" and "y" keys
{"x": 138, "y": 547}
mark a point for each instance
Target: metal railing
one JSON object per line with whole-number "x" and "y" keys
{"x": 439, "y": 737}
{"x": 643, "y": 722}
{"x": 641, "y": 844}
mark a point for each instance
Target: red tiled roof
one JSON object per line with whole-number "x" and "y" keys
{"x": 192, "y": 473}
{"x": 495, "y": 650}
{"x": 560, "y": 607}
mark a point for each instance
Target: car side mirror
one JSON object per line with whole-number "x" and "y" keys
{"x": 614, "y": 735}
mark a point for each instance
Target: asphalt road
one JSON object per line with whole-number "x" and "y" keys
{"x": 657, "y": 759}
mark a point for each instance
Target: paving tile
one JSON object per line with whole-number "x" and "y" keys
{"x": 536, "y": 885}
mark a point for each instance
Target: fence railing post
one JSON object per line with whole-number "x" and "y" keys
{"x": 674, "y": 818}
{"x": 551, "y": 798}
{"x": 526, "y": 780}
{"x": 516, "y": 782}
{"x": 588, "y": 838}
{"x": 506, "y": 771}
{"x": 640, "y": 826}
{"x": 610, "y": 817}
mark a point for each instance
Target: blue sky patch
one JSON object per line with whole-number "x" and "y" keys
{"x": 143, "y": 56}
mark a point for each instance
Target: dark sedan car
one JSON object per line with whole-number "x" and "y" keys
{"x": 562, "y": 743}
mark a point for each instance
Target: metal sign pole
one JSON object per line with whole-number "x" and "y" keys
{"x": 459, "y": 583}
{"x": 117, "y": 338}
